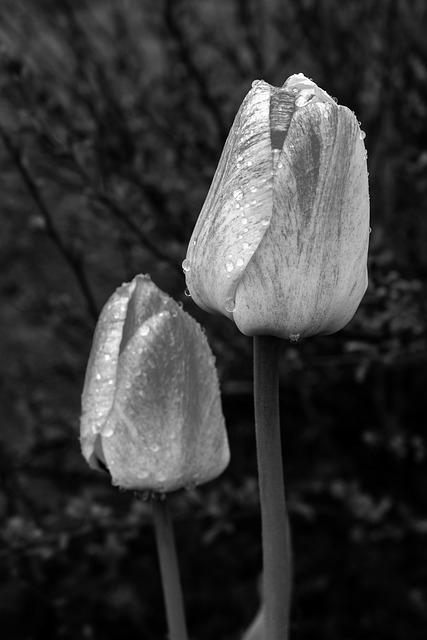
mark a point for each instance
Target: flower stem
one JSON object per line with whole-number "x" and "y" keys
{"x": 169, "y": 570}
{"x": 275, "y": 527}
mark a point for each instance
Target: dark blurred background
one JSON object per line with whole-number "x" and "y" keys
{"x": 113, "y": 115}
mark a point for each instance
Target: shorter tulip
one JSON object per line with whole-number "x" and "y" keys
{"x": 151, "y": 407}
{"x": 280, "y": 245}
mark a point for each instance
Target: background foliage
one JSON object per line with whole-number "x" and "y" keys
{"x": 112, "y": 119}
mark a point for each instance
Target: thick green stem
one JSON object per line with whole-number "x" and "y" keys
{"x": 275, "y": 528}
{"x": 169, "y": 570}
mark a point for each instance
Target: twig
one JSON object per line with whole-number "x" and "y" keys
{"x": 74, "y": 264}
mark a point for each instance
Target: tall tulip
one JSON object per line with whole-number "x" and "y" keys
{"x": 281, "y": 243}
{"x": 280, "y": 247}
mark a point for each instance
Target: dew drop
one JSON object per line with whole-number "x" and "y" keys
{"x": 107, "y": 431}
{"x": 253, "y": 202}
{"x": 279, "y": 165}
{"x": 230, "y": 305}
{"x": 98, "y": 376}
{"x": 246, "y": 245}
{"x": 229, "y": 266}
{"x": 237, "y": 194}
{"x": 370, "y": 230}
{"x": 187, "y": 293}
{"x": 142, "y": 474}
{"x": 240, "y": 158}
{"x": 237, "y": 205}
{"x": 107, "y": 357}
{"x": 186, "y": 265}
{"x": 240, "y": 262}
{"x": 239, "y": 237}
{"x": 294, "y": 337}
{"x": 244, "y": 221}
{"x": 249, "y": 163}
{"x": 362, "y": 135}
{"x": 254, "y": 189}
{"x": 145, "y": 330}
{"x": 265, "y": 222}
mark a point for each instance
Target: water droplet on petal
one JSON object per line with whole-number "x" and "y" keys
{"x": 294, "y": 337}
{"x": 98, "y": 376}
{"x": 265, "y": 222}
{"x": 229, "y": 266}
{"x": 253, "y": 202}
{"x": 230, "y": 305}
{"x": 187, "y": 293}
{"x": 370, "y": 230}
{"x": 254, "y": 189}
{"x": 186, "y": 265}
{"x": 362, "y": 135}
{"x": 237, "y": 205}
{"x": 145, "y": 330}
{"x": 246, "y": 245}
{"x": 279, "y": 165}
{"x": 244, "y": 221}
{"x": 249, "y": 163}
{"x": 107, "y": 357}
{"x": 240, "y": 262}
{"x": 237, "y": 194}
{"x": 107, "y": 431}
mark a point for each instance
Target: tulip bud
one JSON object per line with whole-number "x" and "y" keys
{"x": 280, "y": 245}
{"x": 151, "y": 407}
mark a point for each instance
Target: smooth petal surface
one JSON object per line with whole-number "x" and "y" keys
{"x": 281, "y": 243}
{"x": 164, "y": 428}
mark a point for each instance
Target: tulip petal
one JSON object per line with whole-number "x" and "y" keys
{"x": 167, "y": 428}
{"x": 98, "y": 390}
{"x": 291, "y": 286}
{"x": 237, "y": 209}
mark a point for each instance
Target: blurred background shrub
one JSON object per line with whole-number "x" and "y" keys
{"x": 112, "y": 120}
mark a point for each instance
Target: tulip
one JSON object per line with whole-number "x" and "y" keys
{"x": 280, "y": 245}
{"x": 151, "y": 403}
